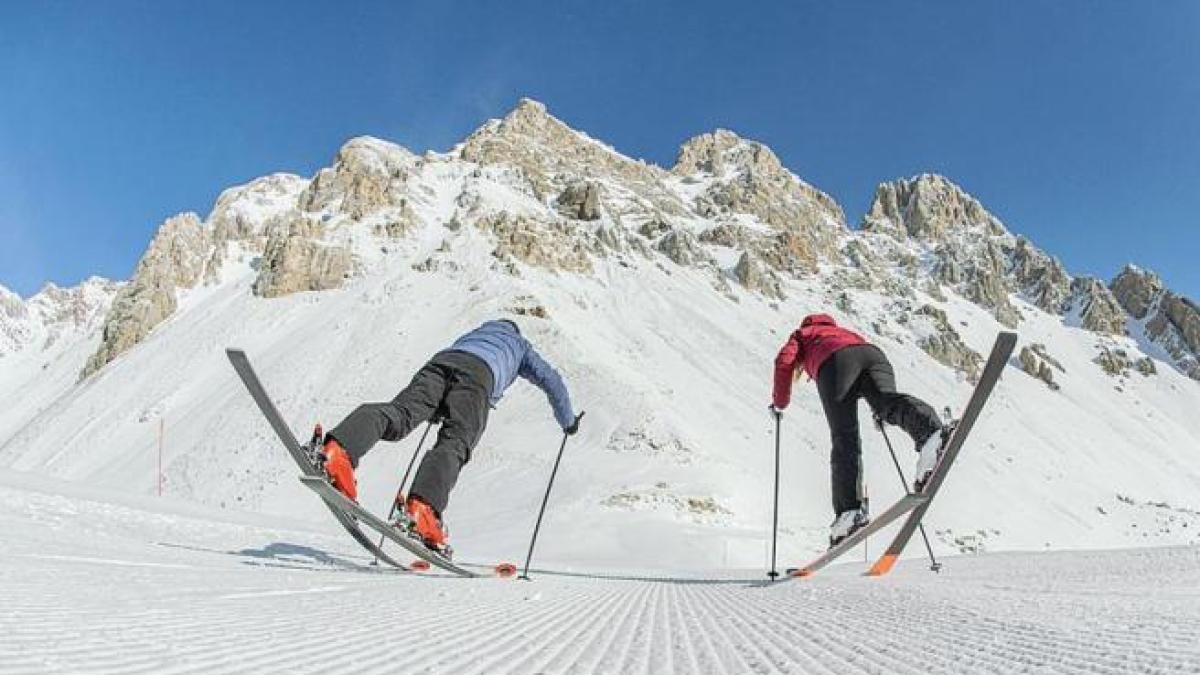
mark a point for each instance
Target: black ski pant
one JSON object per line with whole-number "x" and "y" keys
{"x": 851, "y": 373}
{"x": 453, "y": 387}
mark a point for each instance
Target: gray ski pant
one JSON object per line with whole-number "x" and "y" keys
{"x": 454, "y": 387}
{"x": 851, "y": 373}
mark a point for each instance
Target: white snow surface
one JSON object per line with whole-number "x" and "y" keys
{"x": 98, "y": 582}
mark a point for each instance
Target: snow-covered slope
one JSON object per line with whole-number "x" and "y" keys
{"x": 662, "y": 296}
{"x": 96, "y": 583}
{"x": 44, "y": 342}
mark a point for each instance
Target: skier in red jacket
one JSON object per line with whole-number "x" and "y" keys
{"x": 846, "y": 368}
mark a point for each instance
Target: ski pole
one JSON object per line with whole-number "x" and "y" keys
{"x": 934, "y": 565}
{"x": 538, "y": 525}
{"x": 404, "y": 480}
{"x": 775, "y": 515}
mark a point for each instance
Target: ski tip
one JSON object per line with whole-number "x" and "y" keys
{"x": 505, "y": 570}
{"x": 801, "y": 573}
{"x": 419, "y": 566}
{"x": 883, "y": 565}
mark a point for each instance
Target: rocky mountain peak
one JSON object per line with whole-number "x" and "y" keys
{"x": 52, "y": 312}
{"x": 551, "y": 155}
{"x": 1136, "y": 290}
{"x": 1171, "y": 321}
{"x": 367, "y": 175}
{"x": 721, "y": 152}
{"x": 11, "y": 304}
{"x": 928, "y": 207}
{"x": 241, "y": 211}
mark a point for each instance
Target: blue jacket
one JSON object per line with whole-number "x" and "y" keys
{"x": 500, "y": 345}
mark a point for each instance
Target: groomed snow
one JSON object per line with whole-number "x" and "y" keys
{"x": 96, "y": 583}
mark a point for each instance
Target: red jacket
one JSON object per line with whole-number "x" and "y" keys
{"x": 818, "y": 337}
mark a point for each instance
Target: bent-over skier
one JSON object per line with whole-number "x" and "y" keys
{"x": 458, "y": 386}
{"x": 846, "y": 368}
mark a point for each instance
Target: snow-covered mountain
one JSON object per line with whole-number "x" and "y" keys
{"x": 44, "y": 342}
{"x": 662, "y": 294}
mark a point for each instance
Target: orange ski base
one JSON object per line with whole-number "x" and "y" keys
{"x": 883, "y": 565}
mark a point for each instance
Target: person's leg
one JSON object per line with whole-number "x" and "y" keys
{"x": 466, "y": 412}
{"x": 392, "y": 421}
{"x": 841, "y": 412}
{"x": 916, "y": 417}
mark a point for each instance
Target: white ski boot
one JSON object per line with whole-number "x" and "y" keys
{"x": 846, "y": 524}
{"x": 930, "y": 453}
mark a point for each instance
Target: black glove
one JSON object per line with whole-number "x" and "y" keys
{"x": 574, "y": 428}
{"x": 775, "y": 412}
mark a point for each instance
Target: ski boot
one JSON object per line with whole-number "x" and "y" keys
{"x": 930, "y": 453}
{"x": 421, "y": 522}
{"x": 329, "y": 456}
{"x": 847, "y": 523}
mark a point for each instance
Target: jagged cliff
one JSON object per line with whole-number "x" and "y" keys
{"x": 1168, "y": 320}
{"x": 552, "y": 198}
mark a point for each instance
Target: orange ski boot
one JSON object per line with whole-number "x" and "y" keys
{"x": 339, "y": 469}
{"x": 424, "y": 523}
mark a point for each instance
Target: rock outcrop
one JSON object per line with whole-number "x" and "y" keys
{"x": 682, "y": 248}
{"x": 928, "y": 207}
{"x": 1097, "y": 308}
{"x": 368, "y": 176}
{"x": 1170, "y": 321}
{"x": 550, "y": 157}
{"x": 175, "y": 259}
{"x": 1042, "y": 279}
{"x": 1039, "y": 364}
{"x": 1114, "y": 361}
{"x": 1137, "y": 291}
{"x": 976, "y": 255}
{"x": 581, "y": 201}
{"x": 296, "y": 260}
{"x": 750, "y": 274}
{"x": 243, "y": 214}
{"x": 745, "y": 178}
{"x": 551, "y": 246}
{"x": 945, "y": 345}
{"x": 185, "y": 253}
{"x": 971, "y": 249}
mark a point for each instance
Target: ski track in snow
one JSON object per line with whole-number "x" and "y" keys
{"x": 96, "y": 587}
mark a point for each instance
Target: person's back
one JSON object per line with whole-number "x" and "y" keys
{"x": 509, "y": 355}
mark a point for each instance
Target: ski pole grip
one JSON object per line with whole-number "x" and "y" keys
{"x": 570, "y": 431}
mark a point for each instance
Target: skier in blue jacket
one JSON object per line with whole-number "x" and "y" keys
{"x": 458, "y": 386}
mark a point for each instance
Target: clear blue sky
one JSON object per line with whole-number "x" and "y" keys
{"x": 1077, "y": 122}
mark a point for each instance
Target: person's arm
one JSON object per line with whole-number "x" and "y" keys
{"x": 536, "y": 370}
{"x": 786, "y": 363}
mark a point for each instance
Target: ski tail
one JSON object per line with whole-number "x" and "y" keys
{"x": 883, "y": 565}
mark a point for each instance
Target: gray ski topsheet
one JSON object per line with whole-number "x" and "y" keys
{"x": 249, "y": 378}
{"x": 901, "y": 507}
{"x": 338, "y": 500}
{"x": 1001, "y": 351}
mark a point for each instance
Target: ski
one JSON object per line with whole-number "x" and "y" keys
{"x": 336, "y": 499}
{"x": 901, "y": 507}
{"x": 503, "y": 570}
{"x": 265, "y": 405}
{"x": 1001, "y": 351}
